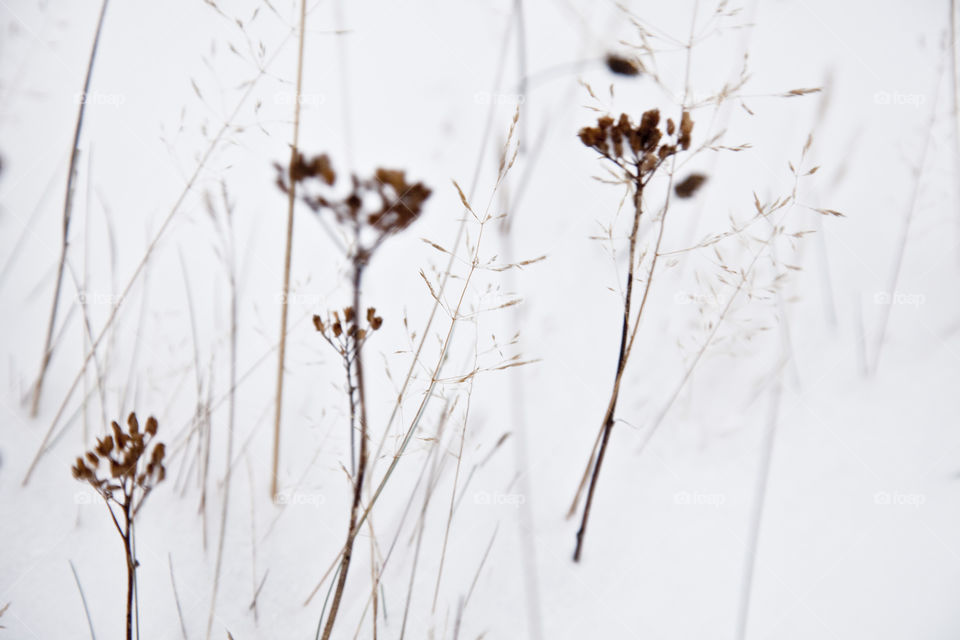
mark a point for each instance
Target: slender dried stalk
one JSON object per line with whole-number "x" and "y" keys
{"x": 229, "y": 253}
{"x": 759, "y": 501}
{"x": 176, "y": 598}
{"x": 83, "y": 599}
{"x": 291, "y": 199}
{"x": 358, "y": 266}
{"x": 67, "y": 209}
{"x": 131, "y": 564}
{"x": 608, "y": 419}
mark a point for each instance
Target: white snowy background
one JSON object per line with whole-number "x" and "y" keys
{"x": 849, "y": 363}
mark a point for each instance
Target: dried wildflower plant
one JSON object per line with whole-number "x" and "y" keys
{"x": 124, "y": 467}
{"x": 370, "y": 211}
{"x": 346, "y": 335}
{"x": 637, "y": 152}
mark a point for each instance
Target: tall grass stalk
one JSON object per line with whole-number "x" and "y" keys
{"x": 67, "y": 214}
{"x": 288, "y": 251}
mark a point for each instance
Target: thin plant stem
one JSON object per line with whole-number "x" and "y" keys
{"x": 176, "y": 598}
{"x": 83, "y": 599}
{"x": 759, "y": 502}
{"x": 231, "y": 410}
{"x": 359, "y": 263}
{"x": 608, "y": 420}
{"x": 67, "y": 214}
{"x": 291, "y": 199}
{"x": 131, "y": 561}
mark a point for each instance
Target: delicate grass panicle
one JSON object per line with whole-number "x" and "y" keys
{"x": 132, "y": 465}
{"x": 396, "y": 204}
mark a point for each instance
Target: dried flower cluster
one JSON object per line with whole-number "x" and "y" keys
{"x": 398, "y": 202}
{"x": 133, "y": 468}
{"x": 127, "y": 465}
{"x": 637, "y": 149}
{"x": 345, "y": 333}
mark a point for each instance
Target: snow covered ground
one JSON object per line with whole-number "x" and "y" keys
{"x": 814, "y": 438}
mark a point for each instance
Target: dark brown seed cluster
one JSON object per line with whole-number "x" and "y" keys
{"x": 689, "y": 186}
{"x": 397, "y": 201}
{"x": 126, "y": 463}
{"x": 638, "y": 148}
{"x": 345, "y": 332}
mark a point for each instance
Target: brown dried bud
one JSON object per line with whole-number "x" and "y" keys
{"x": 648, "y": 131}
{"x": 622, "y": 66}
{"x": 686, "y": 127}
{"x": 104, "y": 446}
{"x": 590, "y": 136}
{"x": 649, "y": 163}
{"x": 80, "y": 469}
{"x": 666, "y": 151}
{"x": 374, "y": 320}
{"x": 118, "y": 434}
{"x": 133, "y": 424}
{"x": 318, "y": 323}
{"x": 151, "y": 427}
{"x": 689, "y": 185}
{"x": 649, "y": 120}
